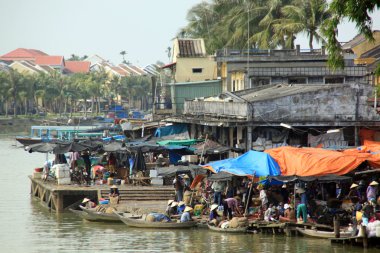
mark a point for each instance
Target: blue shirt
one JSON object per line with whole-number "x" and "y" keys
{"x": 180, "y": 209}
{"x": 214, "y": 215}
{"x": 185, "y": 217}
{"x": 303, "y": 198}
{"x": 160, "y": 217}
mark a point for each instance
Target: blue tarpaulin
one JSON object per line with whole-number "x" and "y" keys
{"x": 251, "y": 163}
{"x": 170, "y": 130}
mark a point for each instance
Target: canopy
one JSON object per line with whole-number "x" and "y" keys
{"x": 252, "y": 163}
{"x": 43, "y": 147}
{"x": 221, "y": 176}
{"x": 314, "y": 161}
{"x": 323, "y": 179}
{"x": 187, "y": 142}
{"x": 172, "y": 170}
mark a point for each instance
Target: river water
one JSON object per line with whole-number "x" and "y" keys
{"x": 25, "y": 226}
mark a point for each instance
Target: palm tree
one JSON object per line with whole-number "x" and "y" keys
{"x": 123, "y": 53}
{"x": 304, "y": 16}
{"x": 13, "y": 85}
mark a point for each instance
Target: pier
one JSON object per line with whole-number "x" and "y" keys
{"x": 59, "y": 198}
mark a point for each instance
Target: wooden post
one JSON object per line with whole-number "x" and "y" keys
{"x": 365, "y": 237}
{"x": 336, "y": 226}
{"x": 248, "y": 200}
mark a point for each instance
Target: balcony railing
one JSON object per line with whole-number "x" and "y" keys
{"x": 217, "y": 109}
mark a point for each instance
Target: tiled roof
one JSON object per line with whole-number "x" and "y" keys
{"x": 22, "y": 54}
{"x": 120, "y": 71}
{"x": 190, "y": 48}
{"x": 139, "y": 70}
{"x": 27, "y": 64}
{"x": 50, "y": 60}
{"x": 77, "y": 66}
{"x": 360, "y": 38}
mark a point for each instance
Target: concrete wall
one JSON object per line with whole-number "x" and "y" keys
{"x": 185, "y": 66}
{"x": 332, "y": 105}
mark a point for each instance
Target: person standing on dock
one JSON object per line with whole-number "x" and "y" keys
{"x": 219, "y": 188}
{"x": 372, "y": 191}
{"x": 302, "y": 206}
{"x": 179, "y": 187}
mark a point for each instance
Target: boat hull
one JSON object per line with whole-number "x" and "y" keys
{"x": 139, "y": 223}
{"x": 321, "y": 234}
{"x": 228, "y": 230}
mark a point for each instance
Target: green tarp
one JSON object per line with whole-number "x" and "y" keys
{"x": 187, "y": 142}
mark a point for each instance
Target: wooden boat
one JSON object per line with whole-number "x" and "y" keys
{"x": 322, "y": 234}
{"x": 93, "y": 215}
{"x": 141, "y": 223}
{"x": 228, "y": 230}
{"x": 82, "y": 214}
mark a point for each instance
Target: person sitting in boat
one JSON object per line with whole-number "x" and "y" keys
{"x": 186, "y": 216}
{"x": 181, "y": 207}
{"x": 167, "y": 211}
{"x": 231, "y": 205}
{"x": 214, "y": 218}
{"x": 88, "y": 203}
{"x": 173, "y": 210}
{"x": 157, "y": 217}
{"x": 114, "y": 194}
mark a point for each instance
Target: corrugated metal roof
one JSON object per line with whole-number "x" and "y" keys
{"x": 190, "y": 48}
{"x": 283, "y": 91}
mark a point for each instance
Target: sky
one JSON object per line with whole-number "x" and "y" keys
{"x": 142, "y": 28}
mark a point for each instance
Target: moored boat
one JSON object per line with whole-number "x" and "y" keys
{"x": 82, "y": 214}
{"x": 322, "y": 234}
{"x": 228, "y": 230}
{"x": 141, "y": 223}
{"x": 94, "y": 215}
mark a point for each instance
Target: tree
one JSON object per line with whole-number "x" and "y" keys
{"x": 356, "y": 12}
{"x": 123, "y": 53}
{"x": 303, "y": 16}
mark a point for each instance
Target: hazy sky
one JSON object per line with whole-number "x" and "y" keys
{"x": 143, "y": 28}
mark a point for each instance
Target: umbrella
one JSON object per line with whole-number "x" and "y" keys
{"x": 114, "y": 147}
{"x": 43, "y": 147}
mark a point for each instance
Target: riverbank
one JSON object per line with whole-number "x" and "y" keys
{"x": 21, "y": 125}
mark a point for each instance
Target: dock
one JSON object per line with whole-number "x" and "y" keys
{"x": 287, "y": 228}
{"x": 59, "y": 198}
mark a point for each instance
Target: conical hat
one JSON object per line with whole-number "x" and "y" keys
{"x": 353, "y": 185}
{"x": 373, "y": 183}
{"x": 188, "y": 209}
{"x": 213, "y": 207}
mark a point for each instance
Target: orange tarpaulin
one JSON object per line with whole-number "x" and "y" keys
{"x": 315, "y": 161}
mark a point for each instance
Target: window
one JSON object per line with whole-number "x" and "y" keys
{"x": 334, "y": 80}
{"x": 260, "y": 81}
{"x": 197, "y": 70}
{"x": 233, "y": 85}
{"x": 297, "y": 80}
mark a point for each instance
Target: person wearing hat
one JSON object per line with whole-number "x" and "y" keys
{"x": 88, "y": 203}
{"x": 354, "y": 193}
{"x": 181, "y": 207}
{"x": 173, "y": 210}
{"x": 214, "y": 217}
{"x": 167, "y": 211}
{"x": 263, "y": 196}
{"x": 186, "y": 216}
{"x": 114, "y": 194}
{"x": 302, "y": 206}
{"x": 372, "y": 191}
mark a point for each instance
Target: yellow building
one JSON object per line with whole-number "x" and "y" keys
{"x": 190, "y": 63}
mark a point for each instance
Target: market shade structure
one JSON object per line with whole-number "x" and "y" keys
{"x": 251, "y": 163}
{"x": 43, "y": 147}
{"x": 314, "y": 161}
